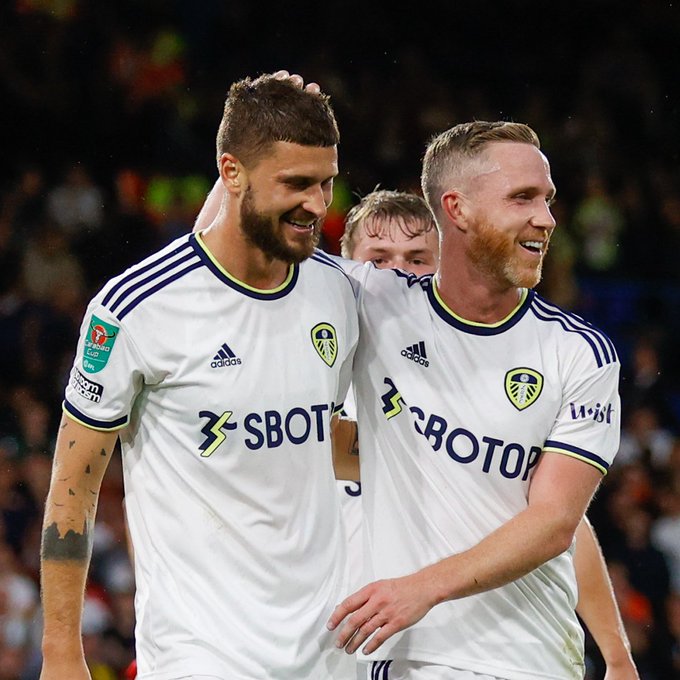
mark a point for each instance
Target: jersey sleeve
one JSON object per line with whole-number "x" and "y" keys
{"x": 106, "y": 375}
{"x": 588, "y": 424}
{"x": 345, "y": 377}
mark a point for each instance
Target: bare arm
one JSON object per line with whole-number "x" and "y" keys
{"x": 598, "y": 608}
{"x": 80, "y": 461}
{"x": 345, "y": 448}
{"x": 560, "y": 492}
{"x": 208, "y": 212}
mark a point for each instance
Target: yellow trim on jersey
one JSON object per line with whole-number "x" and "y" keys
{"x": 571, "y": 454}
{"x": 91, "y": 427}
{"x": 261, "y": 291}
{"x": 522, "y": 298}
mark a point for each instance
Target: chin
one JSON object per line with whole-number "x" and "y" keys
{"x": 524, "y": 278}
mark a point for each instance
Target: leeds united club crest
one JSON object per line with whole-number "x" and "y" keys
{"x": 325, "y": 342}
{"x": 523, "y": 386}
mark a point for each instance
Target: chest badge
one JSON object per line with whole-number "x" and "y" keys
{"x": 523, "y": 386}
{"x": 325, "y": 342}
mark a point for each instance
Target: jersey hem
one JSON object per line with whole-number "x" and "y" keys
{"x": 500, "y": 671}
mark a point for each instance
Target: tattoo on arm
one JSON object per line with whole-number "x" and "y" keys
{"x": 72, "y": 546}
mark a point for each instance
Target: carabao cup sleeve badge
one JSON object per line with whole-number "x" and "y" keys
{"x": 99, "y": 342}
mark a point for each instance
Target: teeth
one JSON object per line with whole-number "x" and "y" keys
{"x": 538, "y": 245}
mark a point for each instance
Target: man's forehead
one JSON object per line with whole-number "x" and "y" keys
{"x": 393, "y": 229}
{"x": 299, "y": 160}
{"x": 514, "y": 161}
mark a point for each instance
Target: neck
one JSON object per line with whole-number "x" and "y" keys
{"x": 470, "y": 294}
{"x": 240, "y": 258}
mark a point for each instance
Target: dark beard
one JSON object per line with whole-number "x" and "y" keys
{"x": 263, "y": 234}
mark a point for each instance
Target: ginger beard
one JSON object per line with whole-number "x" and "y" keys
{"x": 269, "y": 236}
{"x": 494, "y": 253}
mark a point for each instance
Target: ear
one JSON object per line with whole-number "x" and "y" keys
{"x": 456, "y": 208}
{"x": 232, "y": 173}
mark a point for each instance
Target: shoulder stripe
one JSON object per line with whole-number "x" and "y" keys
{"x": 322, "y": 257}
{"x": 161, "y": 284}
{"x": 580, "y": 322}
{"x": 155, "y": 261}
{"x": 139, "y": 282}
{"x": 575, "y": 452}
{"x": 602, "y": 346}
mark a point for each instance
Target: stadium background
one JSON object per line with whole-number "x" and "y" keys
{"x": 108, "y": 114}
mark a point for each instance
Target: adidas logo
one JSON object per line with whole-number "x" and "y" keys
{"x": 416, "y": 353}
{"x": 225, "y": 357}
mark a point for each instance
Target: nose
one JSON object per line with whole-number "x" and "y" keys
{"x": 316, "y": 201}
{"x": 543, "y": 218}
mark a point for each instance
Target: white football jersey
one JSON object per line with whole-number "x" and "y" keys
{"x": 453, "y": 417}
{"x": 350, "y": 503}
{"x": 224, "y": 394}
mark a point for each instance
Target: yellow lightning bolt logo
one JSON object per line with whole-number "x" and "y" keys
{"x": 392, "y": 400}
{"x": 213, "y": 431}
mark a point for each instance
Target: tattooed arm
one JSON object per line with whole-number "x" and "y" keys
{"x": 345, "y": 448}
{"x": 80, "y": 461}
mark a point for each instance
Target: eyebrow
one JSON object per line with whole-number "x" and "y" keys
{"x": 412, "y": 252}
{"x": 300, "y": 180}
{"x": 534, "y": 191}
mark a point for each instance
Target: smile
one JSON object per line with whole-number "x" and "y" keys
{"x": 535, "y": 247}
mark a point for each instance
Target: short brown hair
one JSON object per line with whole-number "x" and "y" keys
{"x": 265, "y": 110}
{"x": 408, "y": 210}
{"x": 449, "y": 152}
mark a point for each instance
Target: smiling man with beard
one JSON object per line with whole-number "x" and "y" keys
{"x": 477, "y": 465}
{"x": 219, "y": 363}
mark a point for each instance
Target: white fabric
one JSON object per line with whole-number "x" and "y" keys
{"x": 350, "y": 502}
{"x": 414, "y": 670}
{"x": 227, "y": 393}
{"x": 447, "y": 457}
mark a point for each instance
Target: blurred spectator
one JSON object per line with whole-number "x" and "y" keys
{"x": 673, "y": 609}
{"x": 645, "y": 382}
{"x": 559, "y": 283}
{"x": 76, "y": 203}
{"x": 599, "y": 223}
{"x": 130, "y": 234}
{"x": 647, "y": 567}
{"x": 49, "y": 266}
{"x": 24, "y": 204}
{"x": 16, "y": 504}
{"x": 638, "y": 619}
{"x": 645, "y": 440}
{"x": 19, "y": 601}
{"x": 665, "y": 532}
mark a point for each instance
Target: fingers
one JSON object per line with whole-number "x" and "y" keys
{"x": 362, "y": 633}
{"x": 346, "y": 607}
{"x": 382, "y": 634}
{"x": 298, "y": 81}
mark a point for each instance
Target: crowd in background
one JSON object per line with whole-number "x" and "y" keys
{"x": 109, "y": 118}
